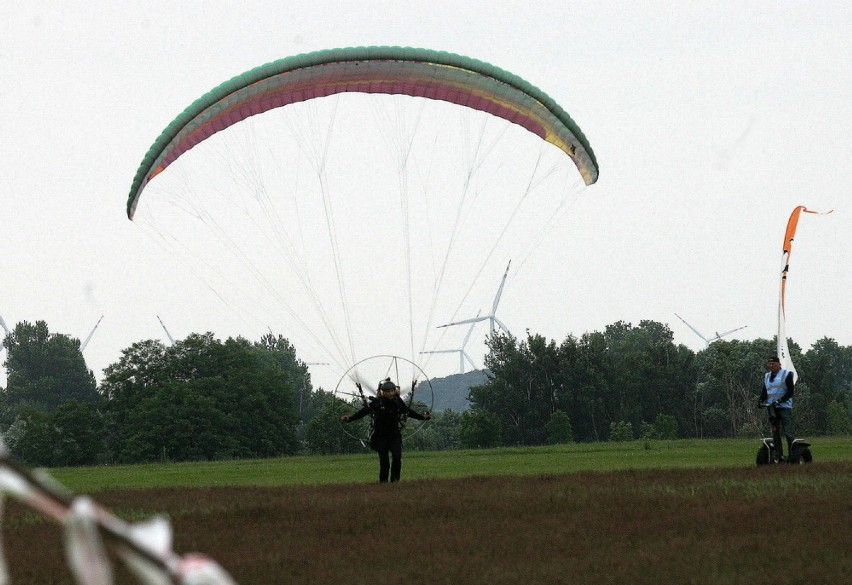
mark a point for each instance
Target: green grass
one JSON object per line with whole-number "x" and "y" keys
{"x": 609, "y": 513}
{"x": 362, "y": 468}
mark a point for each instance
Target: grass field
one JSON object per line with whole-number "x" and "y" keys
{"x": 663, "y": 512}
{"x": 557, "y": 459}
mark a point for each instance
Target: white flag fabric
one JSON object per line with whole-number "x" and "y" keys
{"x": 155, "y": 536}
{"x": 146, "y": 546}
{"x": 199, "y": 569}
{"x": 84, "y": 547}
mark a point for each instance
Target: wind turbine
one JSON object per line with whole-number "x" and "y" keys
{"x": 85, "y": 343}
{"x": 463, "y": 355}
{"x": 5, "y": 330}
{"x": 492, "y": 316}
{"x": 169, "y": 335}
{"x": 709, "y": 340}
{"x": 3, "y": 345}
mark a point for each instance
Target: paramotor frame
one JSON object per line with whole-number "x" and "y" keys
{"x": 364, "y": 373}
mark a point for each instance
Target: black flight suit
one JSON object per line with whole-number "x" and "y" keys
{"x": 387, "y": 416}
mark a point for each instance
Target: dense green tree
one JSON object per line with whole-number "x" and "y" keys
{"x": 503, "y": 393}
{"x": 647, "y": 373}
{"x": 283, "y": 353}
{"x": 665, "y": 427}
{"x": 79, "y": 428}
{"x": 586, "y": 364}
{"x": 34, "y": 439}
{"x": 621, "y": 431}
{"x": 558, "y": 428}
{"x": 637, "y": 374}
{"x": 627, "y": 363}
{"x": 811, "y": 411}
{"x": 838, "y": 421}
{"x": 71, "y": 435}
{"x": 826, "y": 368}
{"x": 440, "y": 433}
{"x": 203, "y": 399}
{"x": 626, "y": 373}
{"x": 44, "y": 370}
{"x": 182, "y": 421}
{"x": 731, "y": 376}
{"x": 479, "y": 429}
{"x": 206, "y": 399}
{"x": 647, "y": 431}
{"x": 325, "y": 432}
{"x": 309, "y": 405}
{"x": 447, "y": 424}
{"x": 523, "y": 389}
{"x": 141, "y": 367}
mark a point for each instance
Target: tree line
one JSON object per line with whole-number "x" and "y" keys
{"x": 206, "y": 399}
{"x": 634, "y": 381}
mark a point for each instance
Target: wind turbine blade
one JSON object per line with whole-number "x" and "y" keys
{"x": 718, "y": 335}
{"x": 694, "y": 330}
{"x": 89, "y": 338}
{"x": 470, "y": 330}
{"x": 463, "y": 321}
{"x": 169, "y": 335}
{"x": 6, "y": 329}
{"x": 467, "y": 337}
{"x": 500, "y": 324}
{"x": 500, "y": 289}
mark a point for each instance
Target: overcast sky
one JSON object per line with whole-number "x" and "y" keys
{"x": 711, "y": 121}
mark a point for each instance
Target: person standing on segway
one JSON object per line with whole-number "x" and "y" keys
{"x": 389, "y": 412}
{"x": 777, "y": 394}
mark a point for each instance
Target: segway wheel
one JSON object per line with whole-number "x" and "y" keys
{"x": 763, "y": 456}
{"x": 801, "y": 455}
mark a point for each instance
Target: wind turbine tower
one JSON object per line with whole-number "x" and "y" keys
{"x": 709, "y": 340}
{"x": 463, "y": 355}
{"x": 494, "y": 322}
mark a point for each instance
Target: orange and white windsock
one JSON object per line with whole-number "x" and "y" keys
{"x": 783, "y": 349}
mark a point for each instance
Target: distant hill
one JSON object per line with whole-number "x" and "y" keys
{"x": 451, "y": 392}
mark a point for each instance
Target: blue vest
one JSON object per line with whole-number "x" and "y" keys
{"x": 776, "y": 388}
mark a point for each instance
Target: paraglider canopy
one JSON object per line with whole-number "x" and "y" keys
{"x": 354, "y": 199}
{"x": 389, "y": 70}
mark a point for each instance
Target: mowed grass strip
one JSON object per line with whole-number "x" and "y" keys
{"x": 557, "y": 459}
{"x": 685, "y": 525}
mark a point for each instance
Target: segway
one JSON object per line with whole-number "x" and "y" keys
{"x": 800, "y": 450}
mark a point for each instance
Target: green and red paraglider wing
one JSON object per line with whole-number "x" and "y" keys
{"x": 388, "y": 70}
